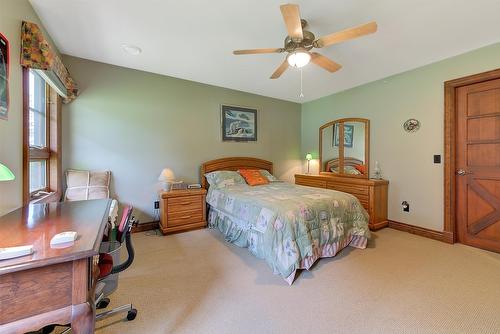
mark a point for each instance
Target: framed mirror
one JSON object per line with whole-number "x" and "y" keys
{"x": 347, "y": 157}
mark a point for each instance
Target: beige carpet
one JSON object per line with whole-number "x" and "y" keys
{"x": 195, "y": 282}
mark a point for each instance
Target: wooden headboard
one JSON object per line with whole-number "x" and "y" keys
{"x": 233, "y": 164}
{"x": 348, "y": 161}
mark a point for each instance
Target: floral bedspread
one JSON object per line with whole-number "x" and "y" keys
{"x": 287, "y": 225}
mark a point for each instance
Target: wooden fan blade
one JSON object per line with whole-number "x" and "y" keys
{"x": 346, "y": 35}
{"x": 325, "y": 62}
{"x": 291, "y": 16}
{"x": 279, "y": 71}
{"x": 257, "y": 51}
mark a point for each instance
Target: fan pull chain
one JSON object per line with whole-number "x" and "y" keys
{"x": 301, "y": 93}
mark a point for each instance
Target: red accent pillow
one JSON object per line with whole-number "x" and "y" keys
{"x": 361, "y": 168}
{"x": 253, "y": 177}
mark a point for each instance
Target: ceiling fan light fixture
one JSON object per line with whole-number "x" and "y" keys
{"x": 299, "y": 59}
{"x": 300, "y": 42}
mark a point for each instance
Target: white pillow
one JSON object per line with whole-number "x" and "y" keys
{"x": 84, "y": 185}
{"x": 224, "y": 178}
{"x": 269, "y": 176}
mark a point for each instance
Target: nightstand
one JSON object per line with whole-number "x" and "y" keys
{"x": 182, "y": 210}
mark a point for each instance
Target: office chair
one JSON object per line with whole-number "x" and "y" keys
{"x": 106, "y": 268}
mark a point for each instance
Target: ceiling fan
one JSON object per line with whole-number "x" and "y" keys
{"x": 300, "y": 42}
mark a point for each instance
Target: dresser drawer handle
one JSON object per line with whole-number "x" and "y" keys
{"x": 185, "y": 203}
{"x": 184, "y": 217}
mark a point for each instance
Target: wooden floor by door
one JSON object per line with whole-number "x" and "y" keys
{"x": 478, "y": 165}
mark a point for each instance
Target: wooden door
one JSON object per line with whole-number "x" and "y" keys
{"x": 478, "y": 165}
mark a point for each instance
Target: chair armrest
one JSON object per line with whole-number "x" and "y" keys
{"x": 130, "y": 252}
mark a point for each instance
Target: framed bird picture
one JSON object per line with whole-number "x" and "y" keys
{"x": 238, "y": 123}
{"x": 348, "y": 135}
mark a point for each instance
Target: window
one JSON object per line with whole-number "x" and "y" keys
{"x": 38, "y": 134}
{"x": 41, "y": 139}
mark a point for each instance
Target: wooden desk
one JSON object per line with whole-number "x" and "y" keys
{"x": 51, "y": 286}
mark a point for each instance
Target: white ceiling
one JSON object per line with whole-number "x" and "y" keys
{"x": 194, "y": 40}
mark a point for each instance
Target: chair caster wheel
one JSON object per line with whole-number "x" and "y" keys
{"x": 131, "y": 314}
{"x": 103, "y": 303}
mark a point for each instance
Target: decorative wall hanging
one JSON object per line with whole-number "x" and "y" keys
{"x": 411, "y": 125}
{"x": 37, "y": 54}
{"x": 4, "y": 77}
{"x": 238, "y": 123}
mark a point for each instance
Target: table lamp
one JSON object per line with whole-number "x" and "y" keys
{"x": 6, "y": 174}
{"x": 308, "y": 158}
{"x": 167, "y": 177}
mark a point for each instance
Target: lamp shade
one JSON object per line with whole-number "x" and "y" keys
{"x": 309, "y": 156}
{"x": 167, "y": 175}
{"x": 6, "y": 174}
{"x": 299, "y": 59}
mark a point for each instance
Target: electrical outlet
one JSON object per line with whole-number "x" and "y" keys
{"x": 157, "y": 205}
{"x": 437, "y": 158}
{"x": 406, "y": 206}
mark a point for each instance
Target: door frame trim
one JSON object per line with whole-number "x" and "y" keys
{"x": 450, "y": 128}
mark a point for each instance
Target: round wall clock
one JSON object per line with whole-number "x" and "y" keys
{"x": 411, "y": 125}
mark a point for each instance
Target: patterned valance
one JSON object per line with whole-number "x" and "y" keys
{"x": 37, "y": 54}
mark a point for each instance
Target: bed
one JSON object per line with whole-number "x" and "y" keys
{"x": 287, "y": 225}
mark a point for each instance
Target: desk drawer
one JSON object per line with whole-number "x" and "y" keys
{"x": 187, "y": 203}
{"x": 36, "y": 291}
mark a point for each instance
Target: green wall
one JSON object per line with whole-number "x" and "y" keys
{"x": 406, "y": 159}
{"x": 136, "y": 123}
{"x": 12, "y": 13}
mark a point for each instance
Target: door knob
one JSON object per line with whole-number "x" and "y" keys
{"x": 462, "y": 172}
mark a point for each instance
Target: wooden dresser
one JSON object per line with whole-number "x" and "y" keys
{"x": 182, "y": 210}
{"x": 371, "y": 193}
